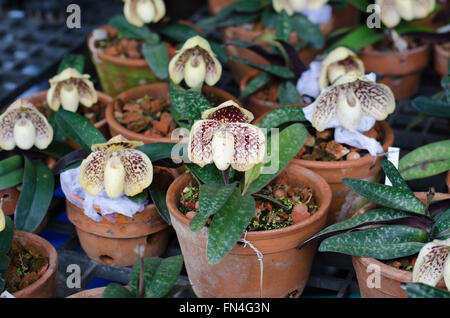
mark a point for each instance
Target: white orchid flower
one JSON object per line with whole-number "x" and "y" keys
{"x": 196, "y": 63}
{"x": 2, "y": 220}
{"x": 22, "y": 125}
{"x": 292, "y": 6}
{"x": 337, "y": 63}
{"x": 351, "y": 96}
{"x": 140, "y": 12}
{"x": 70, "y": 88}
{"x": 433, "y": 263}
{"x": 225, "y": 137}
{"x": 392, "y": 11}
{"x": 117, "y": 167}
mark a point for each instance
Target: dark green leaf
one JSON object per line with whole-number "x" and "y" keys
{"x": 57, "y": 149}
{"x": 418, "y": 290}
{"x": 212, "y": 198}
{"x": 276, "y": 70}
{"x": 442, "y": 224}
{"x": 157, "y": 151}
{"x": 131, "y": 31}
{"x": 394, "y": 176}
{"x": 209, "y": 173}
{"x": 114, "y": 290}
{"x": 387, "y": 196}
{"x": 75, "y": 61}
{"x": 256, "y": 83}
{"x": 6, "y": 236}
{"x": 288, "y": 94}
{"x": 359, "y": 4}
{"x": 291, "y": 140}
{"x": 79, "y": 129}
{"x": 268, "y": 17}
{"x": 432, "y": 106}
{"x": 11, "y": 163}
{"x": 177, "y": 94}
{"x": 196, "y": 105}
{"x": 282, "y": 115}
{"x": 358, "y": 39}
{"x": 386, "y": 242}
{"x": 36, "y": 195}
{"x": 159, "y": 199}
{"x": 219, "y": 51}
{"x": 283, "y": 26}
{"x": 178, "y": 32}
{"x": 157, "y": 58}
{"x": 228, "y": 225}
{"x": 307, "y": 31}
{"x": 11, "y": 179}
{"x": 140, "y": 197}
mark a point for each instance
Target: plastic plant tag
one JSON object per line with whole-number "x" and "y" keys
{"x": 6, "y": 294}
{"x": 393, "y": 156}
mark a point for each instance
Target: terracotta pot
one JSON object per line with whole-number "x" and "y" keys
{"x": 286, "y": 269}
{"x": 101, "y": 125}
{"x": 341, "y": 17}
{"x": 157, "y": 90}
{"x": 400, "y": 71}
{"x": 46, "y": 286}
{"x": 441, "y": 57}
{"x": 447, "y": 180}
{"x": 345, "y": 202}
{"x": 114, "y": 243}
{"x": 391, "y": 278}
{"x": 89, "y": 293}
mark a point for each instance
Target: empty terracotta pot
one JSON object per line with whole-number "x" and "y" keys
{"x": 391, "y": 278}
{"x": 101, "y": 125}
{"x": 237, "y": 275}
{"x": 156, "y": 90}
{"x": 114, "y": 243}
{"x": 441, "y": 57}
{"x": 401, "y": 71}
{"x": 341, "y": 17}
{"x": 47, "y": 285}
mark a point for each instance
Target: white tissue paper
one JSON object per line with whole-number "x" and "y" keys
{"x": 121, "y": 205}
{"x": 309, "y": 84}
{"x": 319, "y": 16}
{"x": 97, "y": 35}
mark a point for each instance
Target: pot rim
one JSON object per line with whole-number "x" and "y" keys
{"x": 161, "y": 86}
{"x": 414, "y": 51}
{"x": 440, "y": 50}
{"x": 102, "y": 97}
{"x": 317, "y": 183}
{"x": 52, "y": 261}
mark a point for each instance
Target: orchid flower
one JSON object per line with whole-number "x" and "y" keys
{"x": 392, "y": 11}
{"x": 2, "y": 220}
{"x": 351, "y": 96}
{"x": 140, "y": 12}
{"x": 69, "y": 89}
{"x": 433, "y": 263}
{"x": 117, "y": 167}
{"x": 225, "y": 137}
{"x": 337, "y": 63}
{"x": 196, "y": 63}
{"x": 292, "y": 6}
{"x": 22, "y": 125}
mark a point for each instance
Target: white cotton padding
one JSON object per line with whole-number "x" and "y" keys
{"x": 308, "y": 83}
{"x": 122, "y": 205}
{"x": 319, "y": 16}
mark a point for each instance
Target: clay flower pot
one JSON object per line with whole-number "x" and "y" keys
{"x": 46, "y": 286}
{"x": 101, "y": 125}
{"x": 345, "y": 202}
{"x": 341, "y": 17}
{"x": 401, "y": 71}
{"x": 391, "y": 278}
{"x": 157, "y": 90}
{"x": 286, "y": 269}
{"x": 89, "y": 293}
{"x": 441, "y": 57}
{"x": 114, "y": 243}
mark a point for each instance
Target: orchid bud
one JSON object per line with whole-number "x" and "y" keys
{"x": 196, "y": 63}
{"x": 69, "y": 89}
{"x": 117, "y": 167}
{"x": 140, "y": 12}
{"x": 22, "y": 125}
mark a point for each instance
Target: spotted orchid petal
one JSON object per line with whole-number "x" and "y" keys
{"x": 292, "y": 6}
{"x": 392, "y": 11}
{"x": 196, "y": 63}
{"x": 225, "y": 137}
{"x": 140, "y": 12}
{"x": 69, "y": 89}
{"x": 433, "y": 263}
{"x": 22, "y": 125}
{"x": 337, "y": 63}
{"x": 351, "y": 96}
{"x": 117, "y": 167}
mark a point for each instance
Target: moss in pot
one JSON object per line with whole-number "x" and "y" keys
{"x": 227, "y": 196}
{"x": 403, "y": 226}
{"x": 128, "y": 53}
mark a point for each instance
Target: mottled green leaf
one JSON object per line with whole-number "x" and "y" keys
{"x": 178, "y": 32}
{"x": 228, "y": 225}
{"x": 276, "y": 70}
{"x": 387, "y": 196}
{"x": 428, "y": 160}
{"x": 35, "y": 197}
{"x": 212, "y": 198}
{"x": 419, "y": 290}
{"x": 386, "y": 242}
{"x": 11, "y": 179}
{"x": 283, "y": 26}
{"x": 158, "y": 196}
{"x": 256, "y": 83}
{"x": 394, "y": 176}
{"x": 196, "y": 104}
{"x": 288, "y": 94}
{"x": 157, "y": 58}
{"x": 291, "y": 140}
{"x": 115, "y": 290}
{"x": 219, "y": 51}
{"x": 307, "y": 31}
{"x": 75, "y": 61}
{"x": 131, "y": 31}
{"x": 442, "y": 224}
{"x": 282, "y": 115}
